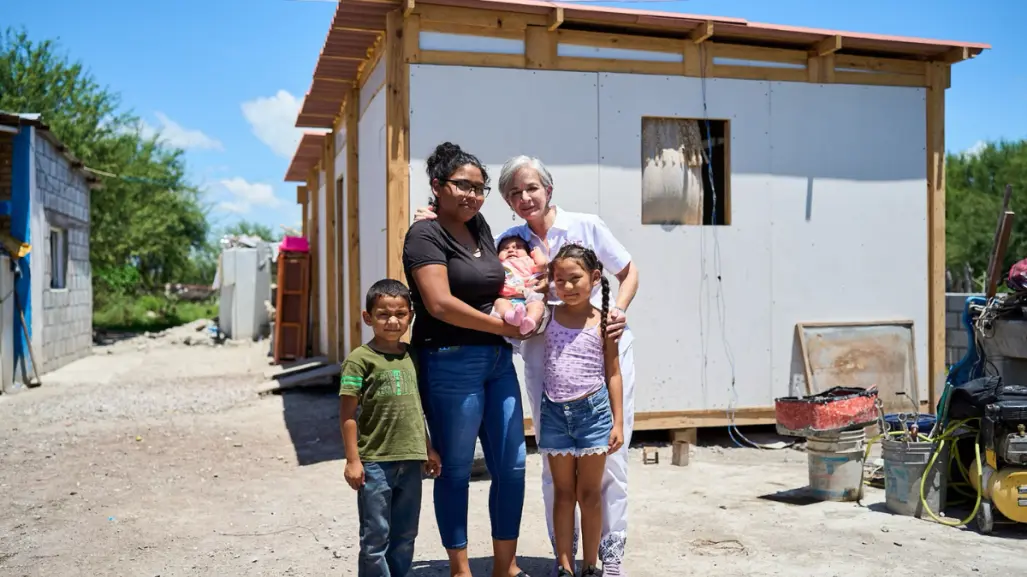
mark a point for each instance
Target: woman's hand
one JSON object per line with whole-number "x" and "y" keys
{"x": 424, "y": 213}
{"x": 616, "y": 439}
{"x": 616, "y": 321}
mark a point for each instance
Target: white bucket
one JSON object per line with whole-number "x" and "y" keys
{"x": 836, "y": 465}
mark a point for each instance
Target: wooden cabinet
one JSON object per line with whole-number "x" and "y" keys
{"x": 292, "y": 310}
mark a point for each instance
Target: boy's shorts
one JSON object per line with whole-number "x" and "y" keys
{"x": 577, "y": 428}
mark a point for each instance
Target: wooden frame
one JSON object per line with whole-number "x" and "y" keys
{"x": 702, "y": 54}
{"x": 906, "y": 323}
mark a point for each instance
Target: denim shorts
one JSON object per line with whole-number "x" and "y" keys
{"x": 579, "y": 427}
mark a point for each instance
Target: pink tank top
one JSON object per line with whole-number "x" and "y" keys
{"x": 575, "y": 366}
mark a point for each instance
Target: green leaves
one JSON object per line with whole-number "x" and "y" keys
{"x": 975, "y": 184}
{"x": 147, "y": 217}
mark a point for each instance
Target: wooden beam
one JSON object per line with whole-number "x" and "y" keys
{"x": 352, "y": 117}
{"x": 828, "y": 45}
{"x": 301, "y": 193}
{"x": 411, "y": 39}
{"x": 955, "y": 55}
{"x": 397, "y": 144}
{"x": 555, "y": 18}
{"x": 937, "y": 80}
{"x": 701, "y": 33}
{"x": 408, "y": 7}
{"x": 332, "y": 80}
{"x": 331, "y": 252}
{"x": 358, "y": 30}
{"x": 539, "y": 48}
{"x": 343, "y": 58}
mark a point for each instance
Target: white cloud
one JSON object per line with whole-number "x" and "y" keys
{"x": 178, "y": 136}
{"x": 976, "y": 149}
{"x": 273, "y": 121}
{"x": 244, "y": 195}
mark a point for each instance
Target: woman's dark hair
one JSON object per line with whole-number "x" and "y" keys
{"x": 445, "y": 160}
{"x": 588, "y": 260}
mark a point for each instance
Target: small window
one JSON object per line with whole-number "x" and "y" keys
{"x": 58, "y": 258}
{"x": 685, "y": 162}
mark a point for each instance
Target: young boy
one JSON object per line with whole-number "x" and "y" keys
{"x": 387, "y": 445}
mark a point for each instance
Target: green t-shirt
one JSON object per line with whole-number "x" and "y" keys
{"x": 390, "y": 423}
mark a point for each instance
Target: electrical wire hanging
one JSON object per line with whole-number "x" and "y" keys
{"x": 732, "y": 429}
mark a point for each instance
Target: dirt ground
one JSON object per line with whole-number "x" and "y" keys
{"x": 153, "y": 457}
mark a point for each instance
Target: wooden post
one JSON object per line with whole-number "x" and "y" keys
{"x": 301, "y": 198}
{"x": 313, "y": 193}
{"x": 397, "y": 142}
{"x": 937, "y": 79}
{"x": 331, "y": 260}
{"x": 352, "y": 114}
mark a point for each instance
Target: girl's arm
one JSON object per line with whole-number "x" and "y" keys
{"x": 433, "y": 282}
{"x": 615, "y": 385}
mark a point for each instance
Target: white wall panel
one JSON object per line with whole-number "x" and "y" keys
{"x": 371, "y": 88}
{"x": 849, "y": 213}
{"x": 828, "y": 211}
{"x": 675, "y": 315}
{"x": 372, "y": 198}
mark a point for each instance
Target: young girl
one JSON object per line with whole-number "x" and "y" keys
{"x": 581, "y": 417}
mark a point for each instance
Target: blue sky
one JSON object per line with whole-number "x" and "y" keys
{"x": 225, "y": 78}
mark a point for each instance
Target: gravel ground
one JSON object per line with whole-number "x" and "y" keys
{"x": 152, "y": 457}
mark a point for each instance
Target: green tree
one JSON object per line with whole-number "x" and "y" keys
{"x": 147, "y": 216}
{"x": 250, "y": 228}
{"x": 975, "y": 184}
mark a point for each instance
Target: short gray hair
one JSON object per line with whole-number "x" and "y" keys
{"x": 516, "y": 163}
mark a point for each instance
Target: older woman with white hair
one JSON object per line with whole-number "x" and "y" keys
{"x": 527, "y": 187}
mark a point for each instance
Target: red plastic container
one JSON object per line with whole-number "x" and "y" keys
{"x": 832, "y": 410}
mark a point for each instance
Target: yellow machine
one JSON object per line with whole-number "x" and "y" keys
{"x": 1003, "y": 482}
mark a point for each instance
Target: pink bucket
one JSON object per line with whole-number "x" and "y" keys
{"x": 294, "y": 244}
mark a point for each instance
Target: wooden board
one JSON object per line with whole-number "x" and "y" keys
{"x": 861, "y": 355}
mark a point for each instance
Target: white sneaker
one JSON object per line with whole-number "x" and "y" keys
{"x": 613, "y": 570}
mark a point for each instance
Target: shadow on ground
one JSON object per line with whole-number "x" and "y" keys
{"x": 533, "y": 566}
{"x": 312, "y": 418}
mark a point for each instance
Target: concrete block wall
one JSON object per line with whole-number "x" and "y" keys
{"x": 956, "y": 339}
{"x": 67, "y": 312}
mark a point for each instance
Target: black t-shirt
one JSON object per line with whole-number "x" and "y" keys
{"x": 474, "y": 280}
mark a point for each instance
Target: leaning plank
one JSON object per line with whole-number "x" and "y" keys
{"x": 325, "y": 375}
{"x": 299, "y": 366}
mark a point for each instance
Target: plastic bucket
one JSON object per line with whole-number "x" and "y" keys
{"x": 836, "y": 465}
{"x": 904, "y": 466}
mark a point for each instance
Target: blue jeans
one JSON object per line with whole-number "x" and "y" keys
{"x": 470, "y": 392}
{"x": 389, "y": 507}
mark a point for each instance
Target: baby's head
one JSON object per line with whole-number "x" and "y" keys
{"x": 511, "y": 247}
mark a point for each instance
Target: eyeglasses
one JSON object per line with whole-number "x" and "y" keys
{"x": 466, "y": 187}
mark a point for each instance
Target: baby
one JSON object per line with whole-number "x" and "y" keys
{"x": 519, "y": 305}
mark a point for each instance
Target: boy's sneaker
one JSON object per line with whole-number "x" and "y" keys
{"x": 564, "y": 573}
{"x": 591, "y": 571}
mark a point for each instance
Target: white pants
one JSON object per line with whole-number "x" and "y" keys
{"x": 615, "y": 480}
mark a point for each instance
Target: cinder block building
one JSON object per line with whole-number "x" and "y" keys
{"x": 44, "y": 204}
